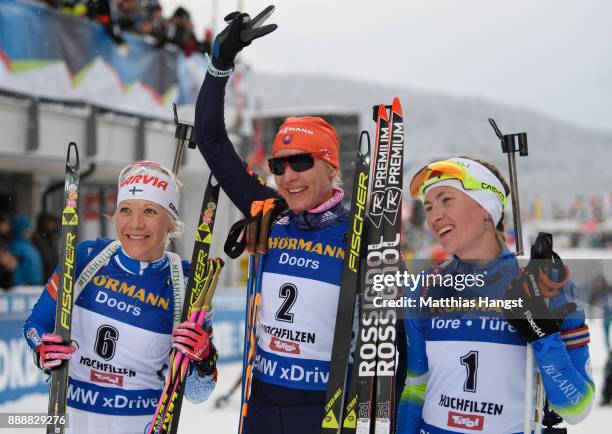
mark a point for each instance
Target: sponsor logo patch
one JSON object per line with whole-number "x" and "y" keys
{"x": 144, "y": 179}
{"x": 106, "y": 378}
{"x": 465, "y": 421}
{"x": 284, "y": 346}
{"x": 328, "y": 216}
{"x": 33, "y": 335}
{"x": 288, "y": 130}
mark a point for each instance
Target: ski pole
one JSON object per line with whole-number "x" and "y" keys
{"x": 159, "y": 417}
{"x": 258, "y": 245}
{"x": 251, "y": 234}
{"x": 223, "y": 399}
{"x": 247, "y": 318}
{"x": 176, "y": 377}
{"x": 248, "y": 373}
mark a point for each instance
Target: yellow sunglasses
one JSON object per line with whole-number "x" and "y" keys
{"x": 441, "y": 170}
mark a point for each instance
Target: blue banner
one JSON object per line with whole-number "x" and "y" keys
{"x": 18, "y": 374}
{"x": 44, "y": 52}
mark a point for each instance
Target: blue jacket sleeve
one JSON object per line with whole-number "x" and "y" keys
{"x": 563, "y": 361}
{"x": 42, "y": 317}
{"x": 417, "y": 374}
{"x": 232, "y": 173}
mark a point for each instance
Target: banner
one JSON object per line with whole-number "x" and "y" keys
{"x": 44, "y": 52}
{"x": 18, "y": 374}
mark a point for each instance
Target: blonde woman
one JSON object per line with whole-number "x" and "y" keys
{"x": 123, "y": 324}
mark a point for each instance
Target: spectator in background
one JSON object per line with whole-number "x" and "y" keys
{"x": 100, "y": 11}
{"x": 154, "y": 24}
{"x": 179, "y": 31}
{"x": 8, "y": 262}
{"x": 142, "y": 17}
{"x": 128, "y": 15}
{"x": 30, "y": 268}
{"x": 46, "y": 240}
{"x": 205, "y": 46}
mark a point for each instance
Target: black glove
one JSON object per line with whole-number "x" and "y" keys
{"x": 239, "y": 33}
{"x": 530, "y": 315}
{"x": 534, "y": 319}
{"x": 208, "y": 366}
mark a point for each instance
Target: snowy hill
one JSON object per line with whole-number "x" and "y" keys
{"x": 564, "y": 160}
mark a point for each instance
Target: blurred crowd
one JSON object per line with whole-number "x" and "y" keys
{"x": 28, "y": 254}
{"x": 143, "y": 17}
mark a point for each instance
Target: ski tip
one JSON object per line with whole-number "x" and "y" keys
{"x": 396, "y": 107}
{"x": 382, "y": 112}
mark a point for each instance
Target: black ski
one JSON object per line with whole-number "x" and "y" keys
{"x": 195, "y": 282}
{"x": 348, "y": 289}
{"x": 391, "y": 263}
{"x": 358, "y": 410}
{"x": 63, "y": 311}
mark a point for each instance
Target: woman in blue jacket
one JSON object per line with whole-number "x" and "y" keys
{"x": 477, "y": 313}
{"x": 125, "y": 321}
{"x": 303, "y": 266}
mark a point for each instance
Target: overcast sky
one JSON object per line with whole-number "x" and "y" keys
{"x": 554, "y": 56}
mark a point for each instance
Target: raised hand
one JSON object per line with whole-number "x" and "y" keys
{"x": 240, "y": 32}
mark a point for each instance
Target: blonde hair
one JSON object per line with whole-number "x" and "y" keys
{"x": 336, "y": 180}
{"x": 179, "y": 229}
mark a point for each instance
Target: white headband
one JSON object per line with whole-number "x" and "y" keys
{"x": 146, "y": 180}
{"x": 486, "y": 199}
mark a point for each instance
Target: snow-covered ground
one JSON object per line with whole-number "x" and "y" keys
{"x": 207, "y": 418}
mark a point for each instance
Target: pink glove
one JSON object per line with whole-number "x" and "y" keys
{"x": 52, "y": 352}
{"x": 192, "y": 340}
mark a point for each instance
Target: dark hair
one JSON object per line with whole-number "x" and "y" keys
{"x": 181, "y": 12}
{"x": 499, "y": 229}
